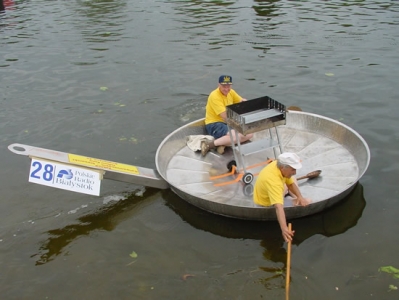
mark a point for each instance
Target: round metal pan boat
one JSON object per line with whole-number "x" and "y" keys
{"x": 216, "y": 183}
{"x": 322, "y": 143}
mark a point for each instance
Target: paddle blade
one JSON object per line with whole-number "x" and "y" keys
{"x": 310, "y": 175}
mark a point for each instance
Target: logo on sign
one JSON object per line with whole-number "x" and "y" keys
{"x": 67, "y": 174}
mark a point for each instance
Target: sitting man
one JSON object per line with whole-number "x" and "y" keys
{"x": 215, "y": 117}
{"x": 273, "y": 183}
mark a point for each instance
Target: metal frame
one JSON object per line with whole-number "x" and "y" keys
{"x": 253, "y": 116}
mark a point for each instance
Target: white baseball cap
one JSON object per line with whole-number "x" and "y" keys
{"x": 291, "y": 159}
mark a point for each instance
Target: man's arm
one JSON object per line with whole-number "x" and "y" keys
{"x": 287, "y": 235}
{"x": 224, "y": 116}
{"x": 299, "y": 198}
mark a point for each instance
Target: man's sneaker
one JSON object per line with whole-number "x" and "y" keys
{"x": 206, "y": 146}
{"x": 220, "y": 149}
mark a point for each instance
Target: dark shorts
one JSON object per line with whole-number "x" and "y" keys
{"x": 217, "y": 129}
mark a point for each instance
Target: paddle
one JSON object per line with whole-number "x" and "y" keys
{"x": 287, "y": 278}
{"x": 310, "y": 175}
{"x": 293, "y": 107}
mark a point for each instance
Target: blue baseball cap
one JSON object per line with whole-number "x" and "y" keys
{"x": 225, "y": 79}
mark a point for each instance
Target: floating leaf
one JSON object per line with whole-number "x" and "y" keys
{"x": 392, "y": 287}
{"x": 133, "y": 254}
{"x": 122, "y": 105}
{"x": 390, "y": 270}
{"x": 103, "y": 88}
{"x": 185, "y": 276}
{"x": 329, "y": 74}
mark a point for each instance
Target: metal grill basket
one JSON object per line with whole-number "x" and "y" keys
{"x": 255, "y": 115}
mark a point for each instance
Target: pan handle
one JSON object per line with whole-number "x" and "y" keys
{"x": 113, "y": 170}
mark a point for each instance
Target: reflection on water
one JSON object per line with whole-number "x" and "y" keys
{"x": 266, "y": 8}
{"x": 329, "y": 223}
{"x": 106, "y": 219}
{"x": 270, "y": 25}
{"x": 6, "y": 5}
{"x": 100, "y": 10}
{"x": 102, "y": 21}
{"x": 332, "y": 222}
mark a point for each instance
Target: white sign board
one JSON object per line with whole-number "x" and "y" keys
{"x": 65, "y": 177}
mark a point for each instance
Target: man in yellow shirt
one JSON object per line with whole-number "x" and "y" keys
{"x": 215, "y": 117}
{"x": 273, "y": 183}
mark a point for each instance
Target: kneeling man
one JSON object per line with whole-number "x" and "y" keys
{"x": 273, "y": 183}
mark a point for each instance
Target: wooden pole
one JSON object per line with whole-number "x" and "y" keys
{"x": 287, "y": 278}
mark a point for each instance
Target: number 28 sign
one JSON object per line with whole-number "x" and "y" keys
{"x": 65, "y": 177}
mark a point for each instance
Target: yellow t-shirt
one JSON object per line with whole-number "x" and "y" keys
{"x": 217, "y": 103}
{"x": 269, "y": 187}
